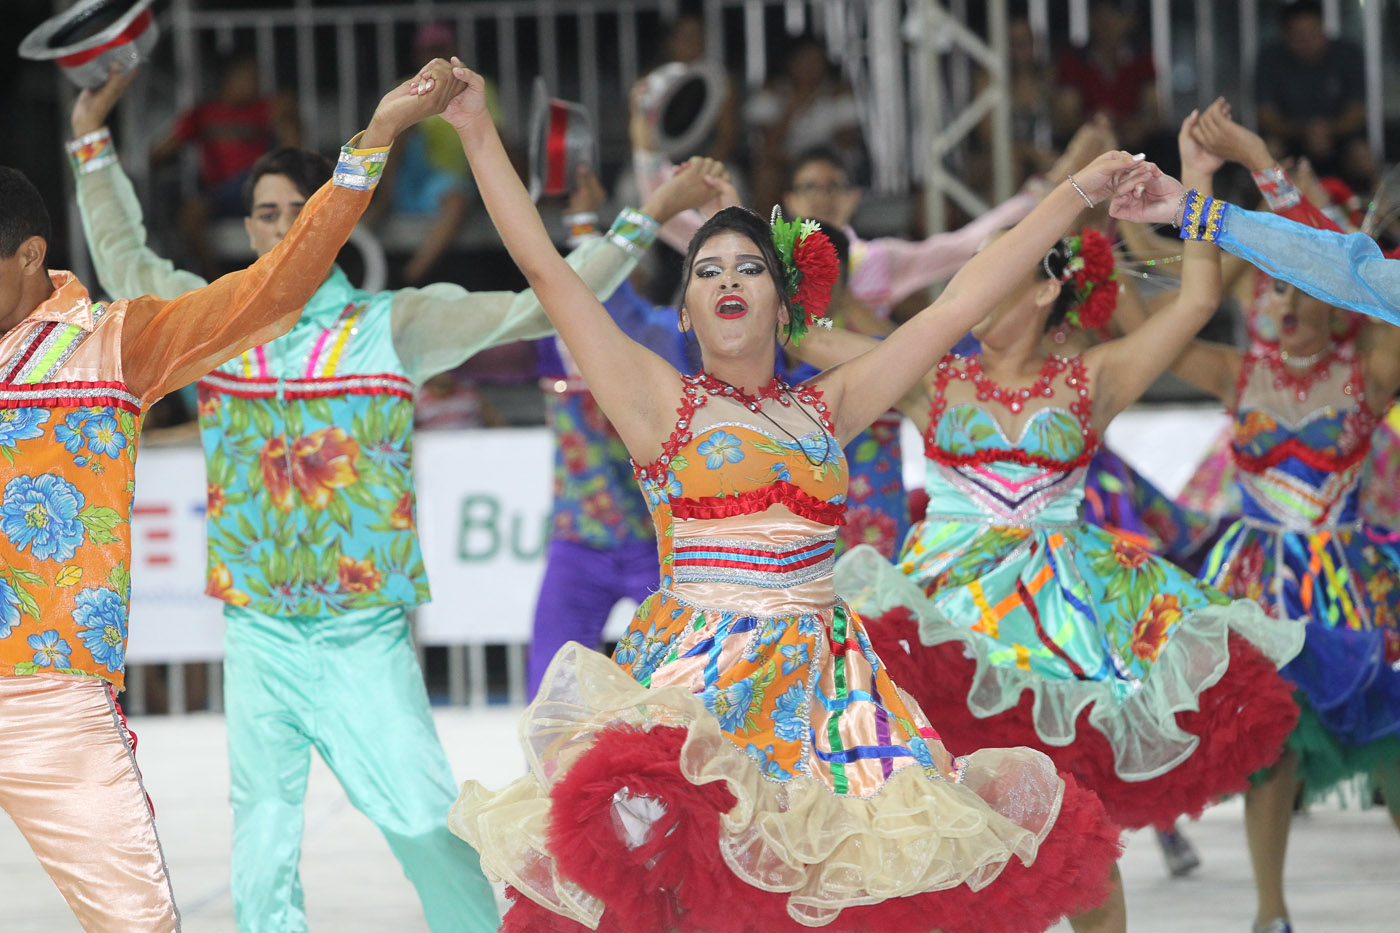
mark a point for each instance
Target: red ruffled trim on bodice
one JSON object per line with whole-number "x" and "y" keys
{"x": 1081, "y": 409}
{"x": 794, "y": 498}
{"x": 1295, "y": 449}
{"x": 937, "y": 454}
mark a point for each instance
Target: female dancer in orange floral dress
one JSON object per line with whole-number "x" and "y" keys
{"x": 745, "y": 762}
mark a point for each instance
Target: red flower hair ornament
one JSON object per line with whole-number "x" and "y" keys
{"x": 1089, "y": 269}
{"x": 810, "y": 269}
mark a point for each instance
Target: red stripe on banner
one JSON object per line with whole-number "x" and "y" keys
{"x": 150, "y": 510}
{"x": 158, "y": 534}
{"x": 133, "y": 29}
{"x": 554, "y": 150}
{"x": 160, "y": 559}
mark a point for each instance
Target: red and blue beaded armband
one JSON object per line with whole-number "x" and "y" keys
{"x": 1202, "y": 217}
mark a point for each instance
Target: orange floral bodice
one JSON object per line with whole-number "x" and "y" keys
{"x": 68, "y": 432}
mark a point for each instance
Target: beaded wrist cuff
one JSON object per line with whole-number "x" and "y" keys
{"x": 633, "y": 231}
{"x": 1277, "y": 188}
{"x": 91, "y": 152}
{"x": 359, "y": 168}
{"x": 1203, "y": 217}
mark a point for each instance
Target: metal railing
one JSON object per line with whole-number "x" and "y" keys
{"x": 915, "y": 85}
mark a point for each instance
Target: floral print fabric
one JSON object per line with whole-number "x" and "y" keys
{"x": 595, "y": 497}
{"x": 1302, "y": 551}
{"x": 877, "y": 508}
{"x": 788, "y": 671}
{"x": 308, "y": 446}
{"x": 64, "y": 579}
{"x": 304, "y": 516}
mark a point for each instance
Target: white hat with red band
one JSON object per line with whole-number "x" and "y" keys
{"x": 87, "y": 38}
{"x": 561, "y": 139}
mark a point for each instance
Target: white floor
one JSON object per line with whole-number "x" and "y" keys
{"x": 1344, "y": 874}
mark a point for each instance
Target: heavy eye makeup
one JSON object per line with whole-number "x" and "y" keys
{"x": 705, "y": 269}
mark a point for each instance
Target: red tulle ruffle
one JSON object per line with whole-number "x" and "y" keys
{"x": 1242, "y": 723}
{"x": 677, "y": 881}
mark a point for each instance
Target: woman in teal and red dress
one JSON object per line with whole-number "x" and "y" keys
{"x": 1025, "y": 625}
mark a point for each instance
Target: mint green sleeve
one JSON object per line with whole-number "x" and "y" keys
{"x": 441, "y": 326}
{"x": 116, "y": 236}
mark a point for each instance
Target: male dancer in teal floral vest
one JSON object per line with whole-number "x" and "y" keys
{"x": 312, "y": 542}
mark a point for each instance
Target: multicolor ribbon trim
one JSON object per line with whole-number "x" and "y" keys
{"x": 729, "y": 560}
{"x": 91, "y": 152}
{"x": 633, "y": 231}
{"x": 367, "y": 384}
{"x": 360, "y": 168}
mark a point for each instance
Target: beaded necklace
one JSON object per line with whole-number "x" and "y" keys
{"x": 1015, "y": 399}
{"x": 779, "y": 391}
{"x": 1300, "y": 379}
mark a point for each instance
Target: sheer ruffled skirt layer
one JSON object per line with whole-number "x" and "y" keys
{"x": 823, "y": 851}
{"x": 1211, "y": 694}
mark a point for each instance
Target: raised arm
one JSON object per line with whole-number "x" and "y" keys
{"x": 1211, "y": 367}
{"x": 636, "y": 388}
{"x": 861, "y": 389}
{"x": 1345, "y": 270}
{"x": 1123, "y": 369}
{"x": 167, "y": 344}
{"x": 440, "y": 326}
{"x": 107, "y": 203}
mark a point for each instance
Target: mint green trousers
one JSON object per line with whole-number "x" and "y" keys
{"x": 349, "y": 686}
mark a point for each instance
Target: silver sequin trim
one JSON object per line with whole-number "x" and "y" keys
{"x": 45, "y": 392}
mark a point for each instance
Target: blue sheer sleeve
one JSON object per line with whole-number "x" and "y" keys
{"x": 1346, "y": 270}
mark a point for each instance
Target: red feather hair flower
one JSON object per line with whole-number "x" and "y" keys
{"x": 816, "y": 258}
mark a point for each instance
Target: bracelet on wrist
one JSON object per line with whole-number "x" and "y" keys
{"x": 1202, "y": 217}
{"x": 1074, "y": 184}
{"x": 633, "y": 231}
{"x": 91, "y": 151}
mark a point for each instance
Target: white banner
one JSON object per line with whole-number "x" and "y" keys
{"x": 171, "y": 618}
{"x": 483, "y": 512}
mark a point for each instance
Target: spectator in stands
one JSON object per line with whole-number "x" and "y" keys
{"x": 427, "y": 175}
{"x": 1030, "y": 84}
{"x": 313, "y": 544}
{"x": 229, "y": 132}
{"x": 1113, "y": 74}
{"x": 1312, "y": 97}
{"x": 806, "y": 107}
